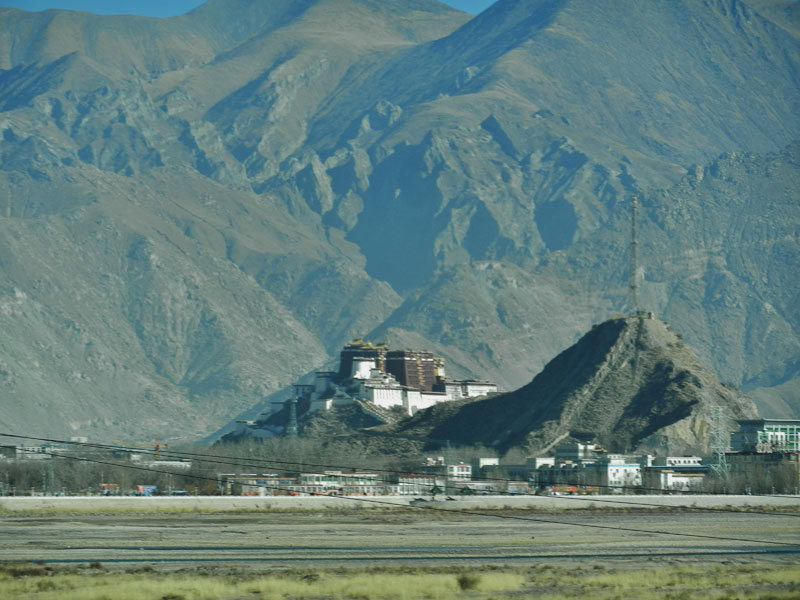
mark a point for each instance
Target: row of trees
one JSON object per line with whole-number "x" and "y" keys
{"x": 86, "y": 469}
{"x": 778, "y": 478}
{"x": 59, "y": 475}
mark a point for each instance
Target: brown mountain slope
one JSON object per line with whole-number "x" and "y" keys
{"x": 197, "y": 211}
{"x": 631, "y": 382}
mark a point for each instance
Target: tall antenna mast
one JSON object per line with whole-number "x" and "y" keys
{"x": 634, "y": 266}
{"x": 718, "y": 442}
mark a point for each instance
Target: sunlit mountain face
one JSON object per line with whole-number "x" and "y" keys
{"x": 196, "y": 212}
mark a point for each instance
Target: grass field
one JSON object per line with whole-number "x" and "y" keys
{"x": 94, "y": 582}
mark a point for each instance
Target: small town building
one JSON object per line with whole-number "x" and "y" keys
{"x": 673, "y": 473}
{"x": 577, "y": 452}
{"x": 766, "y": 435}
{"x": 22, "y": 452}
{"x": 668, "y": 480}
{"x": 268, "y": 484}
{"x": 490, "y": 468}
{"x": 420, "y": 484}
{"x": 439, "y": 466}
{"x": 326, "y": 483}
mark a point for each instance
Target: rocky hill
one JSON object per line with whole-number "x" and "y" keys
{"x": 630, "y": 383}
{"x": 197, "y": 211}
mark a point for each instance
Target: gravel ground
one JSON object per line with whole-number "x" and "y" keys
{"x": 234, "y": 503}
{"x": 363, "y": 537}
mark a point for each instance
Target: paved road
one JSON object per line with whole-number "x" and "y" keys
{"x": 280, "y": 540}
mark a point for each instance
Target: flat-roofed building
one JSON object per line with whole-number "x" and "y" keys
{"x": 577, "y": 452}
{"x": 656, "y": 479}
{"x": 420, "y": 484}
{"x": 616, "y": 473}
{"x": 492, "y": 469}
{"x": 459, "y": 471}
{"x": 766, "y": 435}
{"x": 673, "y": 473}
{"x": 26, "y": 452}
{"x": 469, "y": 388}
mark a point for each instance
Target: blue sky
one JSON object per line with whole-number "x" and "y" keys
{"x": 168, "y": 8}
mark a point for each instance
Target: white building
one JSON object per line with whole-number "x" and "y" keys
{"x": 26, "y": 452}
{"x": 614, "y": 473}
{"x": 673, "y": 461}
{"x": 375, "y": 386}
{"x": 458, "y": 390}
{"x": 334, "y": 397}
{"x": 420, "y": 484}
{"x": 578, "y": 452}
{"x": 366, "y": 378}
{"x": 655, "y": 478}
{"x": 459, "y": 471}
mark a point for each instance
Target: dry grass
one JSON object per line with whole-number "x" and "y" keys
{"x": 766, "y": 582}
{"x": 132, "y": 586}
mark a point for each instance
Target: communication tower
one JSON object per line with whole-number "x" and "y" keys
{"x": 718, "y": 441}
{"x": 634, "y": 266}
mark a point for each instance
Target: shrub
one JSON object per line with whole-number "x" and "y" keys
{"x": 468, "y": 581}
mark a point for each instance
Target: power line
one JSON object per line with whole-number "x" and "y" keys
{"x": 272, "y": 464}
{"x": 460, "y": 511}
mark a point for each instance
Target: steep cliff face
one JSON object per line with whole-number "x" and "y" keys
{"x": 630, "y": 382}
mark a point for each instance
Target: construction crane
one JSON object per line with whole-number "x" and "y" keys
{"x": 156, "y": 445}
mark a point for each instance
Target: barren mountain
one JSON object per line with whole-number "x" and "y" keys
{"x": 631, "y": 383}
{"x": 196, "y": 211}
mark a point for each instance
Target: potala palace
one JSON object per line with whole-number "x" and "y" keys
{"x": 411, "y": 379}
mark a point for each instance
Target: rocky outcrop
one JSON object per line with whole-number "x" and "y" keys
{"x": 631, "y": 383}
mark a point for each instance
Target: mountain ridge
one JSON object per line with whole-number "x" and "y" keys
{"x": 479, "y": 210}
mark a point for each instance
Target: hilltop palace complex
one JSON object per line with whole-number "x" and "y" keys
{"x": 411, "y": 379}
